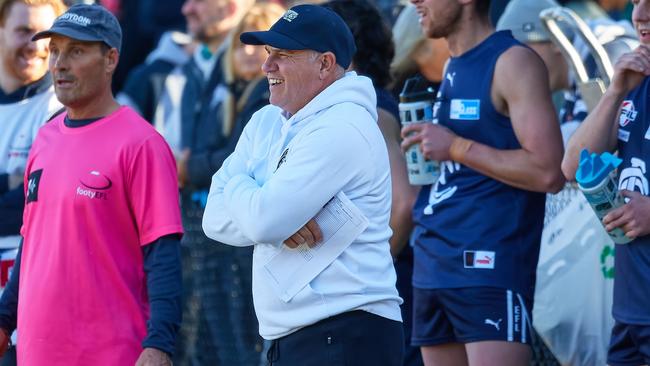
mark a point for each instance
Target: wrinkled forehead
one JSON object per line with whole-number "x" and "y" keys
{"x": 62, "y": 42}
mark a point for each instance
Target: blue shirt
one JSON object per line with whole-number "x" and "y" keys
{"x": 473, "y": 230}
{"x": 632, "y": 260}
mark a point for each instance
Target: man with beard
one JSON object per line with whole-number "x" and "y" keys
{"x": 26, "y": 101}
{"x": 478, "y": 229}
{"x": 620, "y": 122}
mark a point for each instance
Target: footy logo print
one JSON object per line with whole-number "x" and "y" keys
{"x": 96, "y": 180}
{"x": 95, "y": 185}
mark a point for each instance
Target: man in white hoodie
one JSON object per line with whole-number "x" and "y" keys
{"x": 318, "y": 138}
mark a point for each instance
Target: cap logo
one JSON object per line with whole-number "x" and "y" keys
{"x": 528, "y": 27}
{"x": 74, "y": 18}
{"x": 290, "y": 15}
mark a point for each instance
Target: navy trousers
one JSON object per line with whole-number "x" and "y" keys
{"x": 355, "y": 338}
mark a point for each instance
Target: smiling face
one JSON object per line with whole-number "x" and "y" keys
{"x": 22, "y": 59}
{"x": 437, "y": 17}
{"x": 294, "y": 77}
{"x": 641, "y": 20}
{"x": 81, "y": 71}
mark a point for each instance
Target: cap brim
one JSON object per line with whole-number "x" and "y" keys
{"x": 66, "y": 32}
{"x": 271, "y": 38}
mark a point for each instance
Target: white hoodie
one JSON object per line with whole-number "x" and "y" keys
{"x": 333, "y": 144}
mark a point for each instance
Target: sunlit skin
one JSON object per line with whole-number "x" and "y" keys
{"x": 82, "y": 72}
{"x": 24, "y": 61}
{"x": 294, "y": 77}
{"x": 438, "y": 17}
{"x": 641, "y": 20}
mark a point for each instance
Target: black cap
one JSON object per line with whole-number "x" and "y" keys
{"x": 92, "y": 23}
{"x": 416, "y": 89}
{"x": 308, "y": 27}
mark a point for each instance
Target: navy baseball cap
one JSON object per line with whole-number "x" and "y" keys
{"x": 91, "y": 23}
{"x": 308, "y": 27}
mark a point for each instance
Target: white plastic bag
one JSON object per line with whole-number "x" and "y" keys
{"x": 573, "y": 297}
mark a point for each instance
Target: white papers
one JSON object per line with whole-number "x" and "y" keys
{"x": 341, "y": 222}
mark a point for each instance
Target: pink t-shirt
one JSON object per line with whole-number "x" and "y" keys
{"x": 94, "y": 196}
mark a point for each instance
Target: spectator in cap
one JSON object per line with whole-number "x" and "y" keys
{"x": 521, "y": 17}
{"x": 318, "y": 143}
{"x": 97, "y": 278}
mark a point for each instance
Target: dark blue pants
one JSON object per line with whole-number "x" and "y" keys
{"x": 355, "y": 338}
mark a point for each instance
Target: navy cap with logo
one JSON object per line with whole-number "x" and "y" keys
{"x": 90, "y": 23}
{"x": 308, "y": 27}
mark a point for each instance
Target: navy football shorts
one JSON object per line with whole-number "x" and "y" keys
{"x": 471, "y": 314}
{"x": 629, "y": 345}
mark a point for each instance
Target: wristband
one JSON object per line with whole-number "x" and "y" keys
{"x": 458, "y": 148}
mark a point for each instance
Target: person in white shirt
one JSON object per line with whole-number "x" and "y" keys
{"x": 318, "y": 138}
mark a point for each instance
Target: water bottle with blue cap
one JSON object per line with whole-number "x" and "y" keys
{"x": 596, "y": 178}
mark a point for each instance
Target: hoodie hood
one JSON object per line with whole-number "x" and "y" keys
{"x": 170, "y": 48}
{"x": 351, "y": 88}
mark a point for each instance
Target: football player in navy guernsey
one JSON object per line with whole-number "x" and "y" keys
{"x": 478, "y": 229}
{"x": 620, "y": 122}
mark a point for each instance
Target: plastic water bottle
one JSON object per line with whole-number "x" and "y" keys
{"x": 596, "y": 178}
{"x": 416, "y": 106}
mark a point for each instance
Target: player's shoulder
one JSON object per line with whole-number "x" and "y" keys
{"x": 519, "y": 57}
{"x": 519, "y": 67}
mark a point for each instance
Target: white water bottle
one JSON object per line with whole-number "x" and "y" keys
{"x": 416, "y": 106}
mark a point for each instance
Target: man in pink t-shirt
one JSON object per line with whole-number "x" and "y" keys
{"x": 97, "y": 279}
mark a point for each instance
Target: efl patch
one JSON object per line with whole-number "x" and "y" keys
{"x": 479, "y": 259}
{"x": 466, "y": 109}
{"x": 33, "y": 181}
{"x": 628, "y": 113}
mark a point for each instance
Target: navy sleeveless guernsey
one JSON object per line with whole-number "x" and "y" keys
{"x": 632, "y": 260}
{"x": 472, "y": 230}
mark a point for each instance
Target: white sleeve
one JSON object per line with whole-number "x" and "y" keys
{"x": 217, "y": 223}
{"x": 317, "y": 167}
